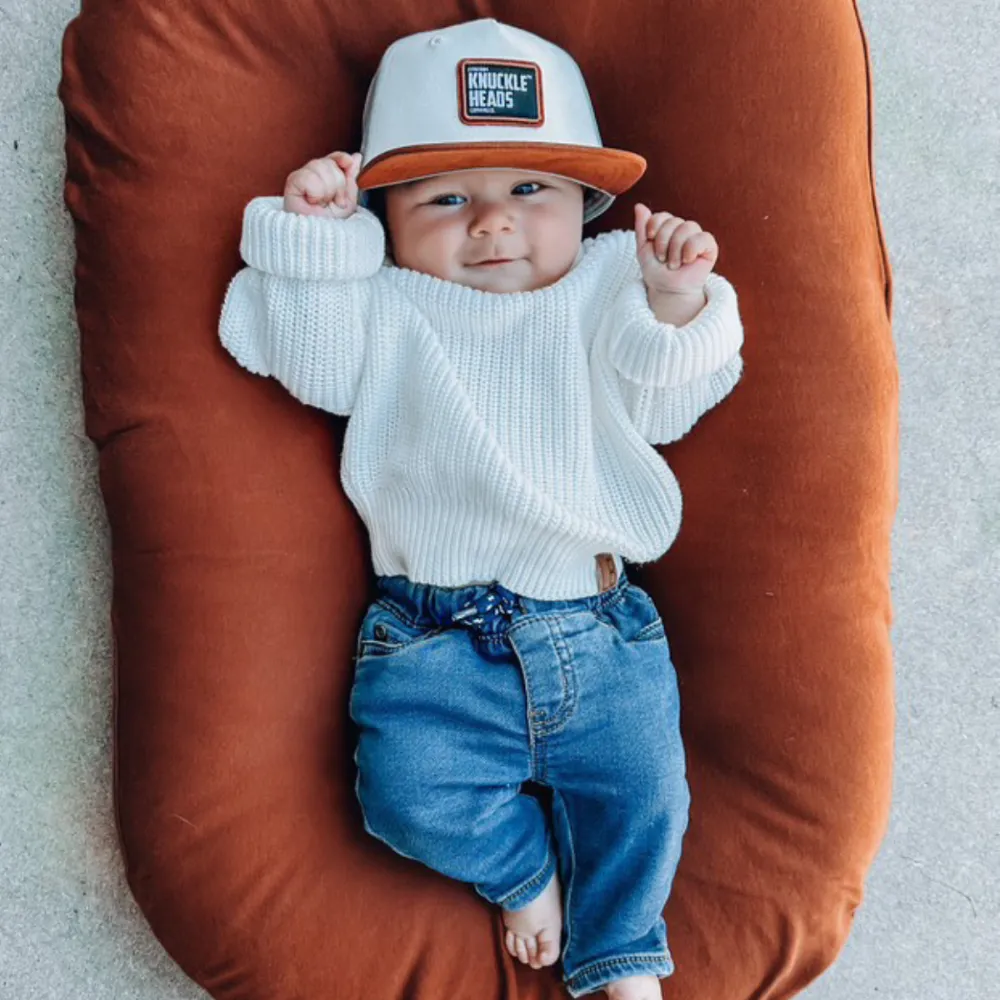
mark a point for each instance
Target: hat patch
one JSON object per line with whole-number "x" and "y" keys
{"x": 500, "y": 92}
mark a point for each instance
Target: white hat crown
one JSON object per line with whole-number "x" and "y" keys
{"x": 416, "y": 98}
{"x": 483, "y": 94}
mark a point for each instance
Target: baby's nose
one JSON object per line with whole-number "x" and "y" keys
{"x": 493, "y": 217}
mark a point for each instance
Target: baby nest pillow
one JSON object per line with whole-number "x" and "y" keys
{"x": 242, "y": 572}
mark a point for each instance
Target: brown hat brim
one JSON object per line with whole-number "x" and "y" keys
{"x": 610, "y": 170}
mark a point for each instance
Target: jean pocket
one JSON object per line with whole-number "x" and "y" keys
{"x": 386, "y": 630}
{"x": 635, "y": 617}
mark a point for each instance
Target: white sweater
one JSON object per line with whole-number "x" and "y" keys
{"x": 492, "y": 436}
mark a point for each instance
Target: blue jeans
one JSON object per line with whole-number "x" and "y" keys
{"x": 461, "y": 694}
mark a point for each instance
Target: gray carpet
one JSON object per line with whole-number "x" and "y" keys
{"x": 931, "y": 923}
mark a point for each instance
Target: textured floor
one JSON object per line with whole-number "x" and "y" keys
{"x": 931, "y": 923}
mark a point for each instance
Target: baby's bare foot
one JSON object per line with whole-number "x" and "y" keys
{"x": 634, "y": 988}
{"x": 534, "y": 932}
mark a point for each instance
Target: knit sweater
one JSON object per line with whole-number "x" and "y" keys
{"x": 491, "y": 436}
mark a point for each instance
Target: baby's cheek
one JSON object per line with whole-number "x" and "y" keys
{"x": 432, "y": 251}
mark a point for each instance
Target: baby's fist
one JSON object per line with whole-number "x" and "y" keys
{"x": 675, "y": 255}
{"x": 326, "y": 187}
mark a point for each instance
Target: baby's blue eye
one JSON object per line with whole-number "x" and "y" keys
{"x": 529, "y": 184}
{"x": 443, "y": 200}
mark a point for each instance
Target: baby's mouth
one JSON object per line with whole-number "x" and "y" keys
{"x": 493, "y": 262}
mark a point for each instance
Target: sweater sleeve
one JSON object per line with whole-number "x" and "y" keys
{"x": 662, "y": 415}
{"x": 651, "y": 353}
{"x": 300, "y": 310}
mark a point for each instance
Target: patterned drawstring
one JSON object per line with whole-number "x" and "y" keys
{"x": 489, "y": 603}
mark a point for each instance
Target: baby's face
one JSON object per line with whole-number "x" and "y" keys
{"x": 457, "y": 226}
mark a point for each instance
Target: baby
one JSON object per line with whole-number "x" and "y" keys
{"x": 505, "y": 381}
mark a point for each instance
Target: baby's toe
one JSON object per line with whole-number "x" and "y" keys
{"x": 522, "y": 950}
{"x": 510, "y": 942}
{"x": 532, "y": 944}
{"x": 548, "y": 949}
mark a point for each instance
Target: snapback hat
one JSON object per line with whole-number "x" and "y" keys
{"x": 481, "y": 95}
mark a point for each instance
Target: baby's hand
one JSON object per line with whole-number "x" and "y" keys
{"x": 327, "y": 187}
{"x": 675, "y": 256}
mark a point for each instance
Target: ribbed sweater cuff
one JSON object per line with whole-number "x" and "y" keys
{"x": 652, "y": 353}
{"x": 309, "y": 247}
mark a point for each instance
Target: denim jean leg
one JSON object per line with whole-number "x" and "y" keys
{"x": 442, "y": 752}
{"x": 620, "y": 799}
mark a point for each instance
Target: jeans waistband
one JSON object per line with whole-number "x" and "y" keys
{"x": 474, "y": 604}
